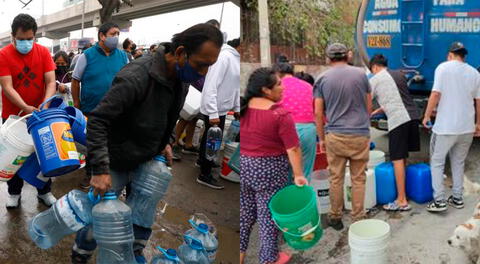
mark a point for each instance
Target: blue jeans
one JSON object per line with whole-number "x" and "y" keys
{"x": 84, "y": 242}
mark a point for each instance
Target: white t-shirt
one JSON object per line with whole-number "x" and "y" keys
{"x": 459, "y": 84}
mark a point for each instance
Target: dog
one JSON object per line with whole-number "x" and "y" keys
{"x": 467, "y": 237}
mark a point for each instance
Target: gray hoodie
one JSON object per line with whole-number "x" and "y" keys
{"x": 221, "y": 91}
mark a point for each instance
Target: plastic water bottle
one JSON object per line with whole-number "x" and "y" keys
{"x": 201, "y": 233}
{"x": 168, "y": 256}
{"x": 192, "y": 252}
{"x": 69, "y": 214}
{"x": 148, "y": 187}
{"x": 113, "y": 231}
{"x": 232, "y": 132}
{"x": 214, "y": 142}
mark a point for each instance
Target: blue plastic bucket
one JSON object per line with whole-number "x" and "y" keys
{"x": 57, "y": 102}
{"x": 78, "y": 123}
{"x": 53, "y": 141}
{"x": 31, "y": 172}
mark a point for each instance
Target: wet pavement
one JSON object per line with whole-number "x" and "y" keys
{"x": 184, "y": 198}
{"x": 417, "y": 236}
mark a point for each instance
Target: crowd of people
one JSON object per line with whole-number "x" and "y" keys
{"x": 283, "y": 113}
{"x": 132, "y": 103}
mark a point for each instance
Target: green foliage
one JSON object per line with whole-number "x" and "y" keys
{"x": 312, "y": 24}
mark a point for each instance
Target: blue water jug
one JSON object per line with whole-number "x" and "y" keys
{"x": 419, "y": 183}
{"x": 232, "y": 132}
{"x": 201, "y": 232}
{"x": 148, "y": 187}
{"x": 69, "y": 214}
{"x": 168, "y": 256}
{"x": 385, "y": 183}
{"x": 113, "y": 231}
{"x": 214, "y": 142}
{"x": 192, "y": 252}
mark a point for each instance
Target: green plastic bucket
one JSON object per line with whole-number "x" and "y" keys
{"x": 294, "y": 211}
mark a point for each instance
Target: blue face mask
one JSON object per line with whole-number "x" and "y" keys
{"x": 186, "y": 73}
{"x": 24, "y": 46}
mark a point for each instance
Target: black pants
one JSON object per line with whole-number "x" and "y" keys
{"x": 205, "y": 164}
{"x": 15, "y": 184}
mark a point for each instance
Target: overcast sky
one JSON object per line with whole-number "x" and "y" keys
{"x": 141, "y": 31}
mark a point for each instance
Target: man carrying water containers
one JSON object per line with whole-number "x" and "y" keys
{"x": 134, "y": 122}
{"x": 456, "y": 86}
{"x": 344, "y": 92}
{"x": 27, "y": 76}
{"x": 390, "y": 89}
{"x": 221, "y": 93}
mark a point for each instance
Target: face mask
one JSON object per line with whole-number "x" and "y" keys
{"x": 186, "y": 73}
{"x": 111, "y": 43}
{"x": 24, "y": 46}
{"x": 61, "y": 70}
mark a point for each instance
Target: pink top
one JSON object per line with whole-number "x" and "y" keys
{"x": 267, "y": 132}
{"x": 298, "y": 99}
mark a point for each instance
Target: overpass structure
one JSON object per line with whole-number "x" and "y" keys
{"x": 59, "y": 24}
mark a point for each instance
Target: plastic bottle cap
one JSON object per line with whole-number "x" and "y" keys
{"x": 203, "y": 228}
{"x": 196, "y": 244}
{"x": 160, "y": 158}
{"x": 172, "y": 253}
{"x": 110, "y": 196}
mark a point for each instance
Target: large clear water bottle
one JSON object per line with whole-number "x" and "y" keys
{"x": 232, "y": 132}
{"x": 148, "y": 187}
{"x": 168, "y": 256}
{"x": 192, "y": 252}
{"x": 113, "y": 231}
{"x": 214, "y": 142}
{"x": 202, "y": 233}
{"x": 69, "y": 214}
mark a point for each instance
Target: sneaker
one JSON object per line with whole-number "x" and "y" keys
{"x": 139, "y": 257}
{"x": 47, "y": 199}
{"x": 437, "y": 206}
{"x": 85, "y": 183}
{"x": 455, "y": 202}
{"x": 190, "y": 150}
{"x": 336, "y": 224}
{"x": 177, "y": 150}
{"x": 78, "y": 258}
{"x": 13, "y": 201}
{"x": 212, "y": 182}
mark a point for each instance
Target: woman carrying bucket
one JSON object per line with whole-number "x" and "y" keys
{"x": 268, "y": 142}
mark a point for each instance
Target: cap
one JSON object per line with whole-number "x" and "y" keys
{"x": 458, "y": 46}
{"x": 336, "y": 50}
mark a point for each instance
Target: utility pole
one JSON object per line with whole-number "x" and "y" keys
{"x": 83, "y": 17}
{"x": 264, "y": 33}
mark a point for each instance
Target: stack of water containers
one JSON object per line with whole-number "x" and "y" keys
{"x": 371, "y": 185}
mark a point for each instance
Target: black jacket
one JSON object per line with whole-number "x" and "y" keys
{"x": 135, "y": 119}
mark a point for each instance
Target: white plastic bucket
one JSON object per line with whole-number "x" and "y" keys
{"x": 376, "y": 157}
{"x": 321, "y": 186}
{"x": 370, "y": 191}
{"x": 368, "y": 241}
{"x": 191, "y": 108}
{"x": 15, "y": 146}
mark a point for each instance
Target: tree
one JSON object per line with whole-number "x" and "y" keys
{"x": 109, "y": 6}
{"x": 311, "y": 24}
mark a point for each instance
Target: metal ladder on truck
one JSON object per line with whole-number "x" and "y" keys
{"x": 413, "y": 33}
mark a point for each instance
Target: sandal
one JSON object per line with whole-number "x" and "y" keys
{"x": 394, "y": 206}
{"x": 283, "y": 258}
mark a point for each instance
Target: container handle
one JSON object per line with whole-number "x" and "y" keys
{"x": 168, "y": 256}
{"x": 48, "y": 100}
{"x": 188, "y": 238}
{"x": 303, "y": 234}
{"x": 18, "y": 120}
{"x": 94, "y": 199}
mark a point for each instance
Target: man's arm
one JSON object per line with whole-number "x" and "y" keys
{"x": 432, "y": 103}
{"x": 319, "y": 112}
{"x": 13, "y": 96}
{"x": 76, "y": 78}
{"x": 214, "y": 78}
{"x": 50, "y": 84}
{"x": 477, "y": 115}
